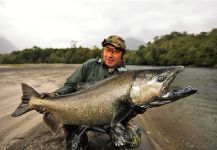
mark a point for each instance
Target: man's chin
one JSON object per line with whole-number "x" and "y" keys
{"x": 109, "y": 64}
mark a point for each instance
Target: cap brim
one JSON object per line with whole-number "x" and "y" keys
{"x": 115, "y": 45}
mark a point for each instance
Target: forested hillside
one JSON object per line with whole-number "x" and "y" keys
{"x": 172, "y": 49}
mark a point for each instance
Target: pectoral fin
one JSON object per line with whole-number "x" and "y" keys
{"x": 122, "y": 112}
{"x": 52, "y": 123}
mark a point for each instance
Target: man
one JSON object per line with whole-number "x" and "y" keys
{"x": 111, "y": 63}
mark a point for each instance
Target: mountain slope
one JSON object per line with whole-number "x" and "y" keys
{"x": 6, "y": 46}
{"x": 133, "y": 44}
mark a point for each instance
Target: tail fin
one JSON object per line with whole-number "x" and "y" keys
{"x": 28, "y": 92}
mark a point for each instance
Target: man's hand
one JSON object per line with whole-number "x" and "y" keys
{"x": 42, "y": 110}
{"x": 47, "y": 95}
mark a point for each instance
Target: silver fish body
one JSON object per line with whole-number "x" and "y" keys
{"x": 100, "y": 103}
{"x": 92, "y": 106}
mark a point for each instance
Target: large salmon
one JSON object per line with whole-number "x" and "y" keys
{"x": 107, "y": 101}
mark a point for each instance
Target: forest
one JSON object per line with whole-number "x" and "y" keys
{"x": 176, "y": 48}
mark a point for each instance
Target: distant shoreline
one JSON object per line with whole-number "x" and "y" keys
{"x": 56, "y": 65}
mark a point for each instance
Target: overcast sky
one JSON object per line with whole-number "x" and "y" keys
{"x": 55, "y": 23}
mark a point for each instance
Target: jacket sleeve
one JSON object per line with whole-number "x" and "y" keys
{"x": 70, "y": 85}
{"x": 77, "y": 77}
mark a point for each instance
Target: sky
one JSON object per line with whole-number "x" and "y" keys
{"x": 56, "y": 23}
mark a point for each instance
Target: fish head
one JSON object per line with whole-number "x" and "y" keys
{"x": 153, "y": 84}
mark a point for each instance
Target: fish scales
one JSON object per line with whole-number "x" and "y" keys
{"x": 92, "y": 106}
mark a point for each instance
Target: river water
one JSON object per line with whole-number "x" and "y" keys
{"x": 191, "y": 122}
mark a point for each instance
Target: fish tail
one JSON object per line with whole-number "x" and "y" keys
{"x": 28, "y": 92}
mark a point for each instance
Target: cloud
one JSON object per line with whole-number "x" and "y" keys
{"x": 54, "y": 23}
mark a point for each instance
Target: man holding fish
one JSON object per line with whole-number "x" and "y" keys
{"x": 108, "y": 105}
{"x": 111, "y": 63}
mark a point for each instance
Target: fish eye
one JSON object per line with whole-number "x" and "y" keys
{"x": 160, "y": 79}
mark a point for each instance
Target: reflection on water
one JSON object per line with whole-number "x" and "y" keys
{"x": 194, "y": 119}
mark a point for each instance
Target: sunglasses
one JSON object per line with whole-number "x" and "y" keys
{"x": 115, "y": 51}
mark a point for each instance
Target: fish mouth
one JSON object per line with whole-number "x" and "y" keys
{"x": 175, "y": 94}
{"x": 172, "y": 96}
{"x": 172, "y": 73}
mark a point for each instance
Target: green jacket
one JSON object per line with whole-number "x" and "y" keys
{"x": 91, "y": 71}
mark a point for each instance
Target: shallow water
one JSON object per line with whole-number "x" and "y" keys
{"x": 191, "y": 122}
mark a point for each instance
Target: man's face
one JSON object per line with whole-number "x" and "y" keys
{"x": 111, "y": 56}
